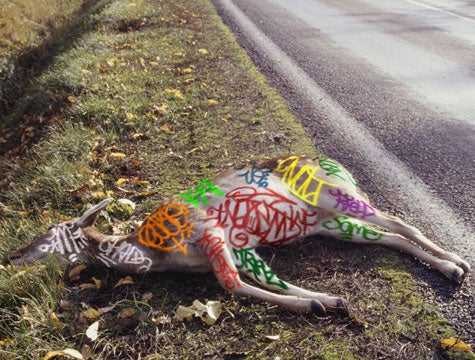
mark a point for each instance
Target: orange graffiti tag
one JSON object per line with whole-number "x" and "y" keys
{"x": 167, "y": 228}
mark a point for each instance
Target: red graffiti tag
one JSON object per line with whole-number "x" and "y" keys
{"x": 212, "y": 247}
{"x": 262, "y": 214}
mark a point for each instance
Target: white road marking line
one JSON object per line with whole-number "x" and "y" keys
{"x": 440, "y": 10}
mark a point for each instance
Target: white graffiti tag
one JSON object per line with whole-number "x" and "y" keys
{"x": 66, "y": 239}
{"x": 121, "y": 252}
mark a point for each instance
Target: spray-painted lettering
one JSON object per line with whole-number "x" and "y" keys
{"x": 213, "y": 248}
{"x": 302, "y": 181}
{"x": 167, "y": 229}
{"x": 347, "y": 229}
{"x": 197, "y": 196}
{"x": 65, "y": 239}
{"x": 349, "y": 205}
{"x": 333, "y": 168}
{"x": 256, "y": 175}
{"x": 261, "y": 214}
{"x": 257, "y": 267}
{"x": 119, "y": 252}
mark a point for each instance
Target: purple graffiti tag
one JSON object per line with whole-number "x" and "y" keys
{"x": 350, "y": 206}
{"x": 261, "y": 214}
{"x": 256, "y": 175}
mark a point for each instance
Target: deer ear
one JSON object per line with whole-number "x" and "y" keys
{"x": 88, "y": 218}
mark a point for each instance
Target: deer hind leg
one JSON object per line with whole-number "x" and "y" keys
{"x": 249, "y": 262}
{"x": 212, "y": 246}
{"x": 358, "y": 231}
{"x": 396, "y": 225}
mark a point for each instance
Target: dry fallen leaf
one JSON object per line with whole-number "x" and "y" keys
{"x": 456, "y": 345}
{"x": 66, "y": 352}
{"x": 120, "y": 181}
{"x": 56, "y": 323}
{"x": 117, "y": 155}
{"x": 199, "y": 148}
{"x": 92, "y": 331}
{"x": 212, "y": 102}
{"x": 71, "y": 99}
{"x": 272, "y": 337}
{"x": 124, "y": 281}
{"x": 203, "y": 51}
{"x": 174, "y": 93}
{"x": 89, "y": 314}
{"x": 208, "y": 313}
{"x": 75, "y": 272}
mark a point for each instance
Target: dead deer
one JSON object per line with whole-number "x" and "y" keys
{"x": 219, "y": 225}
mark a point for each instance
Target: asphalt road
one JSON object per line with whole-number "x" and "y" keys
{"x": 387, "y": 87}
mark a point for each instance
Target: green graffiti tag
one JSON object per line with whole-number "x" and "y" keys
{"x": 348, "y": 229}
{"x": 332, "y": 167}
{"x": 195, "y": 196}
{"x": 257, "y": 267}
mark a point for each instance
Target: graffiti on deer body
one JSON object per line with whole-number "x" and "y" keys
{"x": 347, "y": 229}
{"x": 66, "y": 239}
{"x": 249, "y": 261}
{"x": 263, "y": 214}
{"x": 213, "y": 248}
{"x": 167, "y": 229}
{"x": 302, "y": 181}
{"x": 349, "y": 205}
{"x": 256, "y": 175}
{"x": 197, "y": 196}
{"x": 333, "y": 168}
{"x": 123, "y": 253}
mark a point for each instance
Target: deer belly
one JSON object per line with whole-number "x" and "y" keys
{"x": 252, "y": 218}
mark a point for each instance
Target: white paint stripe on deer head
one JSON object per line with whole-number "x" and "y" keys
{"x": 66, "y": 239}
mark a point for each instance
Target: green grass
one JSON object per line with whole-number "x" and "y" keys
{"x": 137, "y": 79}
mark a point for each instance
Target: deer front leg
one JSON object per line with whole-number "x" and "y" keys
{"x": 213, "y": 247}
{"x": 249, "y": 262}
{"x": 354, "y": 230}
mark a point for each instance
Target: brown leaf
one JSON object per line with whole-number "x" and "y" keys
{"x": 89, "y": 314}
{"x": 454, "y": 344}
{"x": 66, "y": 352}
{"x": 124, "y": 281}
{"x": 75, "y": 272}
{"x": 56, "y": 323}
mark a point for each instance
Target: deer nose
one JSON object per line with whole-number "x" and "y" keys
{"x": 16, "y": 257}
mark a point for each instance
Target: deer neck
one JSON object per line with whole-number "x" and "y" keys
{"x": 125, "y": 253}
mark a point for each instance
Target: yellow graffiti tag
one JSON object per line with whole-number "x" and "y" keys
{"x": 167, "y": 229}
{"x": 302, "y": 182}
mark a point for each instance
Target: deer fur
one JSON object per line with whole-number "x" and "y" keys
{"x": 217, "y": 227}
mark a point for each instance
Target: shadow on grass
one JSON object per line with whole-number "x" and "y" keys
{"x": 21, "y": 104}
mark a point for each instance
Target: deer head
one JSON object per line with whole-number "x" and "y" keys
{"x": 66, "y": 239}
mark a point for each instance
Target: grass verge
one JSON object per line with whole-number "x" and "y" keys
{"x": 149, "y": 97}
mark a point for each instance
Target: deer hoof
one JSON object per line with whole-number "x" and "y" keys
{"x": 341, "y": 308}
{"x": 465, "y": 267}
{"x": 458, "y": 275}
{"x": 317, "y": 307}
